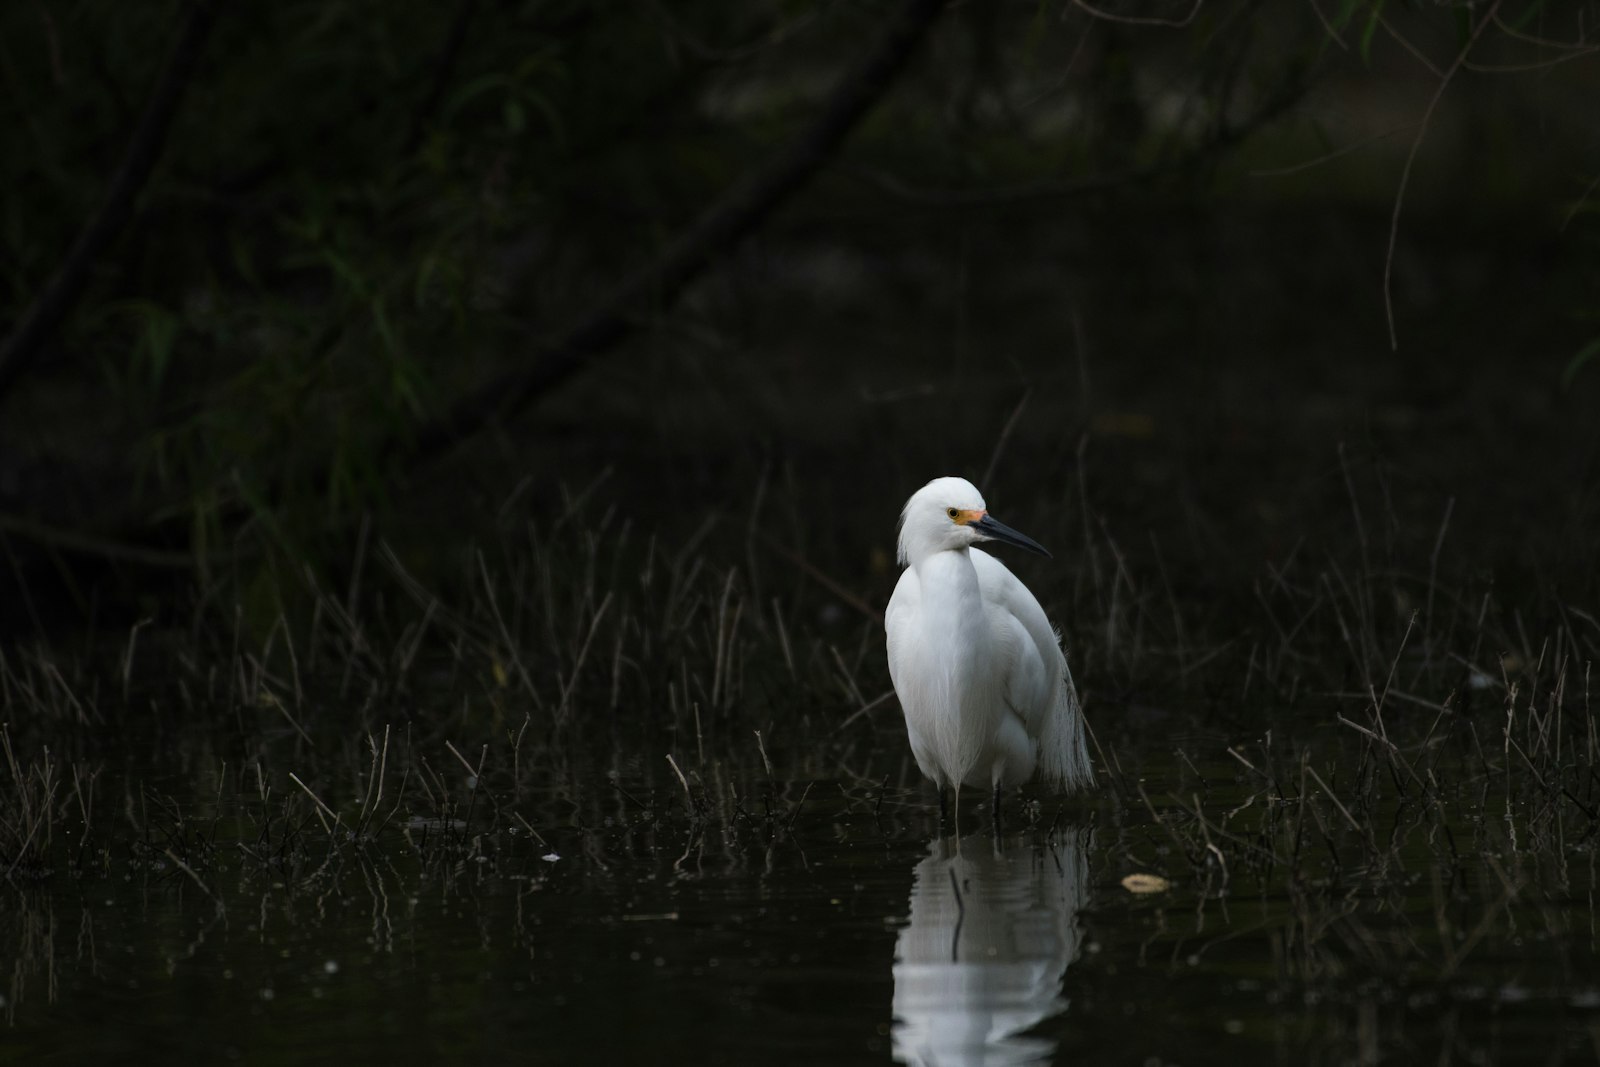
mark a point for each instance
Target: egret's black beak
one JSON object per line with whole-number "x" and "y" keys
{"x": 994, "y": 530}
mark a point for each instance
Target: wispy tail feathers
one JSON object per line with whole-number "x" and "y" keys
{"x": 1063, "y": 744}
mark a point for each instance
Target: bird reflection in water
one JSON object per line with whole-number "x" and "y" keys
{"x": 993, "y": 929}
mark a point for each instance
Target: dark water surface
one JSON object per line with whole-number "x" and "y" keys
{"x": 851, "y": 934}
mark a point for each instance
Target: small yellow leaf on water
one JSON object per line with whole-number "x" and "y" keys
{"x": 1146, "y": 883}
{"x": 499, "y": 672}
{"x": 1134, "y": 425}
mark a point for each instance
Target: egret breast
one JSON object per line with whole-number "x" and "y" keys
{"x": 949, "y": 672}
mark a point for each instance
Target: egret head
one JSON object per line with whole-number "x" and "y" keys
{"x": 948, "y": 515}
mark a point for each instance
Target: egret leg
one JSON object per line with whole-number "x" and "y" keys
{"x": 996, "y": 811}
{"x": 944, "y": 812}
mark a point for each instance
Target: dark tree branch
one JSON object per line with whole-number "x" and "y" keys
{"x": 731, "y": 218}
{"x": 53, "y": 304}
{"x": 728, "y": 220}
{"x": 444, "y": 69}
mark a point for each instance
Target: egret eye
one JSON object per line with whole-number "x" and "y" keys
{"x": 952, "y": 512}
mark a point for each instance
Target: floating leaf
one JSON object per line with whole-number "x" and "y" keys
{"x": 1146, "y": 883}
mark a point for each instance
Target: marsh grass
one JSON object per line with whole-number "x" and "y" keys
{"x": 575, "y": 649}
{"x": 37, "y": 801}
{"x": 1378, "y": 915}
{"x": 1388, "y": 766}
{"x": 1396, "y": 863}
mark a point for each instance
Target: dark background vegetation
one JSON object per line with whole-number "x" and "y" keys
{"x": 450, "y": 453}
{"x": 1203, "y": 295}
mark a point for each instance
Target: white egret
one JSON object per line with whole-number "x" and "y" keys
{"x": 979, "y": 963}
{"x": 987, "y": 695}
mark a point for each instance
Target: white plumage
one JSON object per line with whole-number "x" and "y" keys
{"x": 987, "y": 695}
{"x": 991, "y": 933}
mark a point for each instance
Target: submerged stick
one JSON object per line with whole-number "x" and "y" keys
{"x": 320, "y": 805}
{"x": 685, "y": 783}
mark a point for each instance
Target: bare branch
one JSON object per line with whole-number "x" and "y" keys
{"x": 1537, "y": 64}
{"x": 1578, "y": 204}
{"x": 1404, "y": 42}
{"x": 1411, "y": 158}
{"x": 1544, "y": 42}
{"x": 1145, "y": 20}
{"x": 1328, "y": 157}
{"x": 1333, "y": 34}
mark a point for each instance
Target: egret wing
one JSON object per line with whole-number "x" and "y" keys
{"x": 898, "y": 623}
{"x": 1034, "y": 661}
{"x": 901, "y": 625}
{"x": 1038, "y": 683}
